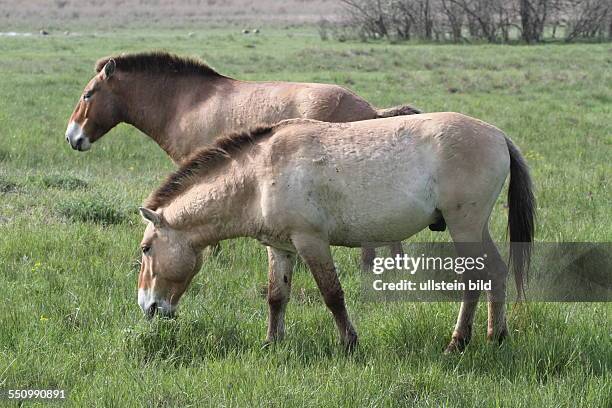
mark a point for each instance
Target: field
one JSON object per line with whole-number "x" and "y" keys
{"x": 69, "y": 236}
{"x": 110, "y": 14}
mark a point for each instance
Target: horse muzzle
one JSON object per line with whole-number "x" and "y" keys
{"x": 77, "y": 138}
{"x": 151, "y": 306}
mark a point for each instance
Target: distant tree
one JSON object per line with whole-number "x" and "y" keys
{"x": 405, "y": 18}
{"x": 454, "y": 15}
{"x": 587, "y": 18}
{"x": 480, "y": 16}
{"x": 490, "y": 20}
{"x": 413, "y": 16}
{"x": 533, "y": 19}
{"x": 372, "y": 16}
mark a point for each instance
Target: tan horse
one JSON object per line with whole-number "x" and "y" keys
{"x": 183, "y": 105}
{"x": 302, "y": 185}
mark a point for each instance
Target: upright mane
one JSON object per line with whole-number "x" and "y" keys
{"x": 203, "y": 161}
{"x": 159, "y": 62}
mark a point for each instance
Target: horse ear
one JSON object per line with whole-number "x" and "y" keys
{"x": 151, "y": 216}
{"x": 109, "y": 68}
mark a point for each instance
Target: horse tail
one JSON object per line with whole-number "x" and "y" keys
{"x": 400, "y": 110}
{"x": 521, "y": 216}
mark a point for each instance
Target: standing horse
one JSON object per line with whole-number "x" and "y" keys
{"x": 183, "y": 104}
{"x": 302, "y": 185}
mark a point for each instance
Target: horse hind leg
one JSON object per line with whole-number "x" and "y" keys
{"x": 396, "y": 249}
{"x": 368, "y": 253}
{"x": 497, "y": 328}
{"x": 467, "y": 232}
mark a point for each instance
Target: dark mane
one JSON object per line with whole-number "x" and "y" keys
{"x": 159, "y": 62}
{"x": 201, "y": 162}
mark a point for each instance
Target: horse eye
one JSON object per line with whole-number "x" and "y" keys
{"x": 146, "y": 249}
{"x": 87, "y": 95}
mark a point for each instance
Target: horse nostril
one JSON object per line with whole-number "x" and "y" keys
{"x": 152, "y": 309}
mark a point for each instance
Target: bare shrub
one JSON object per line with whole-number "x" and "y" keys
{"x": 587, "y": 19}
{"x": 454, "y": 16}
{"x": 489, "y": 20}
{"x": 324, "y": 27}
{"x": 370, "y": 18}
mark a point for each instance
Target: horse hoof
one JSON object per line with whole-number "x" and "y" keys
{"x": 456, "y": 345}
{"x": 497, "y": 338}
{"x": 267, "y": 344}
{"x": 350, "y": 343}
{"x": 273, "y": 339}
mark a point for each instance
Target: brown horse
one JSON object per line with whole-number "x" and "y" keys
{"x": 183, "y": 104}
{"x": 303, "y": 185}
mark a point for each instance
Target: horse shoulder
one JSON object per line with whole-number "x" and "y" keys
{"x": 284, "y": 170}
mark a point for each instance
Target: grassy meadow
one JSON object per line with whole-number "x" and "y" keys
{"x": 70, "y": 233}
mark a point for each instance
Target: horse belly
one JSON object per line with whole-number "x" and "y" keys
{"x": 375, "y": 214}
{"x": 381, "y": 200}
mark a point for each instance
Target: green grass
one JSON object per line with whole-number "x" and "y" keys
{"x": 69, "y": 235}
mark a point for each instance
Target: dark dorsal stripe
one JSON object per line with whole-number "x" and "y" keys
{"x": 159, "y": 62}
{"x": 203, "y": 161}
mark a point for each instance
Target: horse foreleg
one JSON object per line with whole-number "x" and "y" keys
{"x": 368, "y": 253}
{"x": 317, "y": 255}
{"x": 280, "y": 270}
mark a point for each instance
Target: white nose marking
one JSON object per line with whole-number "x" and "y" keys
{"x": 147, "y": 298}
{"x": 77, "y": 139}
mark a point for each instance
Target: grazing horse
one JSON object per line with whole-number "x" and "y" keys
{"x": 303, "y": 185}
{"x": 183, "y": 104}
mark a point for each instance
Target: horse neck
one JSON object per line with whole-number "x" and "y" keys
{"x": 221, "y": 206}
{"x": 152, "y": 104}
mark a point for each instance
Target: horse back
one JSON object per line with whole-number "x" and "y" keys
{"x": 377, "y": 180}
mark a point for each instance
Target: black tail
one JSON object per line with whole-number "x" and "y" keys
{"x": 521, "y": 216}
{"x": 400, "y": 110}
